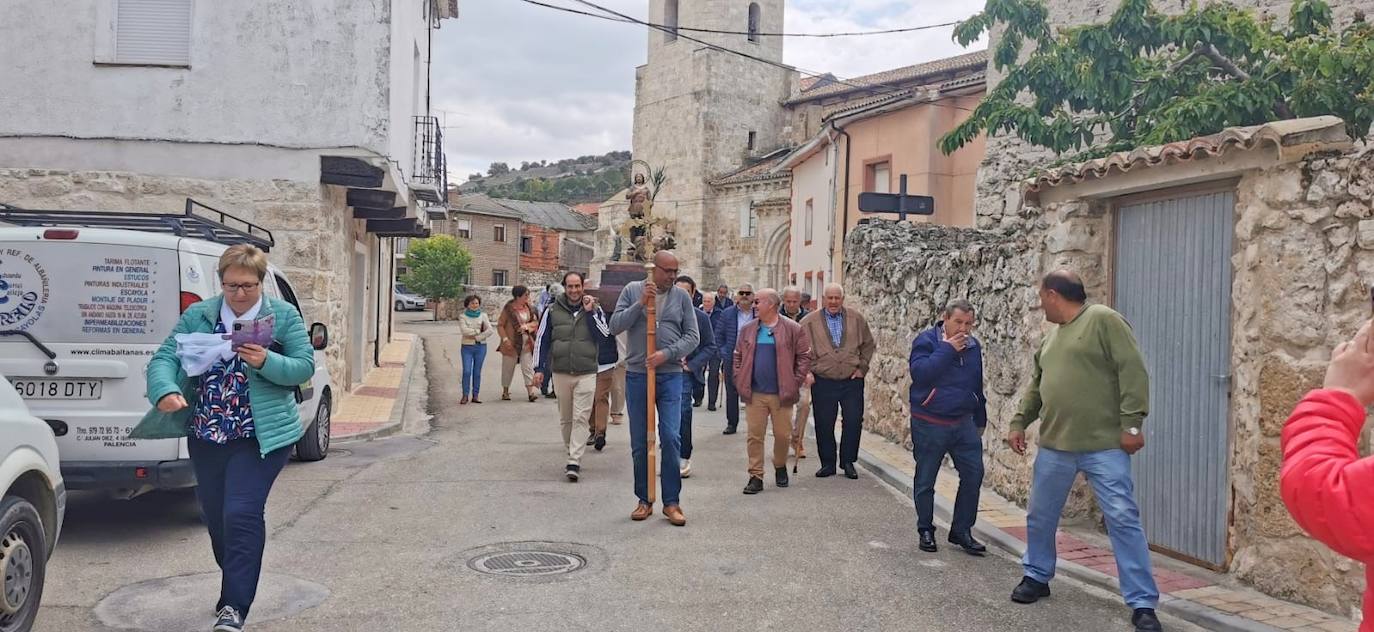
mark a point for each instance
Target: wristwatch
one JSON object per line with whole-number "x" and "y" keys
{"x": 1133, "y": 431}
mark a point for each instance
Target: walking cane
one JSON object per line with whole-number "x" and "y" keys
{"x": 652, "y": 387}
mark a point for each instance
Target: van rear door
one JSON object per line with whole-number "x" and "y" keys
{"x": 97, "y": 304}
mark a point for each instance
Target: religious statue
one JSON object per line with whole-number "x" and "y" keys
{"x": 639, "y": 197}
{"x": 644, "y": 234}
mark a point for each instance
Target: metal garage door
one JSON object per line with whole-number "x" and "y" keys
{"x": 1173, "y": 283}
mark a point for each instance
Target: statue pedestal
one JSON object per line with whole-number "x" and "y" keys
{"x": 614, "y": 277}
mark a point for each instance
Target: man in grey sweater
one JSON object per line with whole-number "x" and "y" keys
{"x": 676, "y": 336}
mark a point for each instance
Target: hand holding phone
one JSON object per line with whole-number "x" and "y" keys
{"x": 251, "y": 332}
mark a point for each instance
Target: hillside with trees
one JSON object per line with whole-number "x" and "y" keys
{"x": 570, "y": 181}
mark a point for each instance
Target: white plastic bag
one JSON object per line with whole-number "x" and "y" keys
{"x": 200, "y": 352}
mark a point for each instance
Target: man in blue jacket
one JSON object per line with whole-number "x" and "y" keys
{"x": 694, "y": 366}
{"x": 735, "y": 317}
{"x": 715, "y": 311}
{"x": 948, "y": 415}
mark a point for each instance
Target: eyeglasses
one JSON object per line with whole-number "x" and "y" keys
{"x": 230, "y": 288}
{"x": 671, "y": 271}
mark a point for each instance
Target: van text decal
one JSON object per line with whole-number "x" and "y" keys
{"x": 23, "y": 290}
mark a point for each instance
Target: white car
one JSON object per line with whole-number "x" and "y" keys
{"x": 32, "y": 503}
{"x": 83, "y": 309}
{"x": 404, "y": 301}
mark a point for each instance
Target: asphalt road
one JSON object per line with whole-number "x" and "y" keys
{"x": 379, "y": 536}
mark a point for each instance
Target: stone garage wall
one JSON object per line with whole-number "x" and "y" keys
{"x": 314, "y": 238}
{"x": 1303, "y": 264}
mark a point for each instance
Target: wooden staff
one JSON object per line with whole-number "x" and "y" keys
{"x": 650, "y": 312}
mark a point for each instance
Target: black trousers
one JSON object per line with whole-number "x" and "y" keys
{"x": 712, "y": 382}
{"x": 830, "y": 398}
{"x": 731, "y": 397}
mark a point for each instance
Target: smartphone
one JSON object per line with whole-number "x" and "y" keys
{"x": 252, "y": 332}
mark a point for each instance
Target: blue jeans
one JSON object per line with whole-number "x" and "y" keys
{"x": 473, "y": 357}
{"x": 232, "y": 483}
{"x": 669, "y": 406}
{"x": 1109, "y": 473}
{"x": 930, "y": 442}
{"x": 689, "y": 387}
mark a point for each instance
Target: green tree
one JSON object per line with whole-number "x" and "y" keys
{"x": 435, "y": 268}
{"x": 1145, "y": 78}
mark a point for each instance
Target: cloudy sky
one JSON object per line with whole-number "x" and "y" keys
{"x": 516, "y": 82}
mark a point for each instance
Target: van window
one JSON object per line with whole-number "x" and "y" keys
{"x": 288, "y": 294}
{"x": 65, "y": 292}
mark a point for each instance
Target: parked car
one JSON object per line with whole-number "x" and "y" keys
{"x": 82, "y": 310}
{"x": 406, "y": 301}
{"x": 32, "y": 503}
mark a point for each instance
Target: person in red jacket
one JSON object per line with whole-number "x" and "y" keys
{"x": 1328, "y": 489}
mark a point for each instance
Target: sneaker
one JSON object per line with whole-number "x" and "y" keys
{"x": 780, "y": 476}
{"x": 1030, "y": 591}
{"x": 505, "y": 395}
{"x": 573, "y": 472}
{"x": 729, "y": 430}
{"x": 1144, "y": 620}
{"x": 616, "y": 420}
{"x": 686, "y": 469}
{"x": 228, "y": 620}
{"x": 591, "y": 439}
{"x": 754, "y": 486}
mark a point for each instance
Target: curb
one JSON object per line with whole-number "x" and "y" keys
{"x": 1209, "y": 618}
{"x": 394, "y": 425}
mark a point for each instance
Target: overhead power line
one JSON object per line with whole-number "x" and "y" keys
{"x": 627, "y": 20}
{"x": 880, "y": 88}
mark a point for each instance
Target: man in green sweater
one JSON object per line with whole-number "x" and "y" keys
{"x": 1090, "y": 389}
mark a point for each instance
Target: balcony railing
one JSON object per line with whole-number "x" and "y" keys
{"x": 430, "y": 179}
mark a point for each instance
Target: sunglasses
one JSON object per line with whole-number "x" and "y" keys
{"x": 744, "y": 293}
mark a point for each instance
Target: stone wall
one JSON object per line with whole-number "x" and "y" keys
{"x": 313, "y": 229}
{"x": 1301, "y": 273}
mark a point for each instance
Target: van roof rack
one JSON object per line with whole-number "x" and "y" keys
{"x": 210, "y": 224}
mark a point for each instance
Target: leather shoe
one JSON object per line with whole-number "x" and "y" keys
{"x": 825, "y": 471}
{"x": 1145, "y": 620}
{"x": 966, "y": 542}
{"x": 711, "y": 408}
{"x": 928, "y": 542}
{"x": 754, "y": 486}
{"x": 850, "y": 472}
{"x": 1029, "y": 591}
{"x": 642, "y": 512}
{"x": 729, "y": 430}
{"x": 674, "y": 515}
{"x": 780, "y": 476}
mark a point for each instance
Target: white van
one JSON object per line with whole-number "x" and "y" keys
{"x": 82, "y": 310}
{"x": 32, "y": 503}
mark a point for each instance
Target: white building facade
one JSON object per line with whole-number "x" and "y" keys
{"x": 310, "y": 120}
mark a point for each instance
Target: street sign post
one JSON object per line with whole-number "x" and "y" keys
{"x": 899, "y": 203}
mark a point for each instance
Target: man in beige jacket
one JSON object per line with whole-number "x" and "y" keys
{"x": 841, "y": 348}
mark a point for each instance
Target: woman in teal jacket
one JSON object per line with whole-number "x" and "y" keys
{"x": 239, "y": 417}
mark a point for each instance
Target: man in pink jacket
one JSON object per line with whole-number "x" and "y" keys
{"x": 1327, "y": 487}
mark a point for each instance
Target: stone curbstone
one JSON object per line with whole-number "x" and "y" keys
{"x": 393, "y": 426}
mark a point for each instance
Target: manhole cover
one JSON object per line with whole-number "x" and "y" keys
{"x": 527, "y": 563}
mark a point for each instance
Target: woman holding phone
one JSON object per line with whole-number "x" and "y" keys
{"x": 476, "y": 329}
{"x": 239, "y": 418}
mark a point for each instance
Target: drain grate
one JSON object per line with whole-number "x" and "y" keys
{"x": 531, "y": 563}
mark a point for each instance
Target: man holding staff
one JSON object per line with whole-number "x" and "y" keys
{"x": 676, "y": 337}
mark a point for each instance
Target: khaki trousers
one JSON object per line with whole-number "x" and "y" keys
{"x": 575, "y": 407}
{"x": 526, "y": 364}
{"x": 757, "y": 415}
{"x": 601, "y": 402}
{"x": 618, "y": 393}
{"x": 799, "y": 424}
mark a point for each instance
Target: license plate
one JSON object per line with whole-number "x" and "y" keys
{"x": 57, "y": 389}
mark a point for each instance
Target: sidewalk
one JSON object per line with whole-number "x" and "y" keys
{"x": 1207, "y": 599}
{"x": 374, "y": 409}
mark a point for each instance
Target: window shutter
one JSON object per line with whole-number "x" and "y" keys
{"x": 153, "y": 32}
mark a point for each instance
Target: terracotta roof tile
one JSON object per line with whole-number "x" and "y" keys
{"x": 976, "y": 60}
{"x": 1296, "y": 136}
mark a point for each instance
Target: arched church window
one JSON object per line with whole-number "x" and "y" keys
{"x": 670, "y": 20}
{"x": 754, "y": 21}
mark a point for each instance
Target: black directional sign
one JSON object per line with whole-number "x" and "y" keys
{"x": 899, "y": 203}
